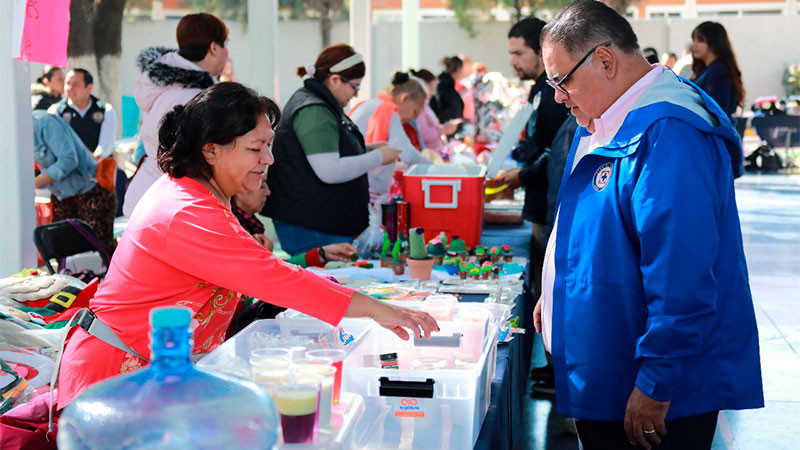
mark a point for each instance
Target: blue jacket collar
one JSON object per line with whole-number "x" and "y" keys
{"x": 673, "y": 97}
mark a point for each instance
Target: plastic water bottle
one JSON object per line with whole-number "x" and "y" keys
{"x": 170, "y": 404}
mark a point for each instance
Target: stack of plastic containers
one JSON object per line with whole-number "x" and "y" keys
{"x": 298, "y": 361}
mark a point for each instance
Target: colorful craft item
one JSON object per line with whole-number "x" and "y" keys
{"x": 486, "y": 269}
{"x": 495, "y": 254}
{"x": 452, "y": 259}
{"x": 507, "y": 255}
{"x": 364, "y": 264}
{"x": 458, "y": 245}
{"x": 386, "y": 247}
{"x": 396, "y": 252}
{"x": 416, "y": 242}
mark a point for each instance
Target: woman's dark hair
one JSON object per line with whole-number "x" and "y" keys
{"x": 402, "y": 83}
{"x": 715, "y": 36}
{"x": 329, "y": 57}
{"x": 47, "y": 73}
{"x": 424, "y": 75}
{"x": 452, "y": 64}
{"x": 196, "y": 32}
{"x": 217, "y": 115}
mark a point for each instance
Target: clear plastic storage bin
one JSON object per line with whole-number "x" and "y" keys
{"x": 296, "y": 335}
{"x": 438, "y": 396}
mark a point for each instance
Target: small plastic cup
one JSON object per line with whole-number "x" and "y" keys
{"x": 270, "y": 365}
{"x": 337, "y": 356}
{"x": 326, "y": 375}
{"x": 297, "y": 352}
{"x": 297, "y": 402}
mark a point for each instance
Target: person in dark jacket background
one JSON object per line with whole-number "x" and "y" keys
{"x": 48, "y": 89}
{"x": 714, "y": 67}
{"x": 447, "y": 103}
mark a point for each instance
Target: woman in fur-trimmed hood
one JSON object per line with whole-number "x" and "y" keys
{"x": 48, "y": 88}
{"x": 172, "y": 77}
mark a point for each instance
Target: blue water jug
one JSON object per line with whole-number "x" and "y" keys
{"x": 170, "y": 404}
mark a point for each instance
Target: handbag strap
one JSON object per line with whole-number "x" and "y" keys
{"x": 91, "y": 238}
{"x": 87, "y": 320}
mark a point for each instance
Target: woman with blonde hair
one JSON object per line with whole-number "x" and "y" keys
{"x": 382, "y": 119}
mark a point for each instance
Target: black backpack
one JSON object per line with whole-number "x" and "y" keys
{"x": 763, "y": 159}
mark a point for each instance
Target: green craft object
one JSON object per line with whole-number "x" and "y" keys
{"x": 387, "y": 246}
{"x": 403, "y": 242}
{"x": 480, "y": 251}
{"x": 436, "y": 248}
{"x": 475, "y": 271}
{"x": 452, "y": 259}
{"x": 416, "y": 242}
{"x": 494, "y": 251}
{"x": 458, "y": 245}
{"x": 463, "y": 266}
{"x": 396, "y": 252}
{"x": 486, "y": 267}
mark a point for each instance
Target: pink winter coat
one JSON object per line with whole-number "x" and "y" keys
{"x": 167, "y": 79}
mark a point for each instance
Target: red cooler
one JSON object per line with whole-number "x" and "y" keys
{"x": 446, "y": 197}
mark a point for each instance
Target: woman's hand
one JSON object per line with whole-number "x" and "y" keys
{"x": 339, "y": 252}
{"x": 376, "y": 145}
{"x": 537, "y": 316}
{"x": 450, "y": 127}
{"x": 264, "y": 241}
{"x": 394, "y": 318}
{"x": 42, "y": 179}
{"x": 389, "y": 154}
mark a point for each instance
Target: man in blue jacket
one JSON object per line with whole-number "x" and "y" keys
{"x": 646, "y": 305}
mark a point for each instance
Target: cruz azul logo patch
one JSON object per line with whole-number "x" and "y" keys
{"x": 602, "y": 176}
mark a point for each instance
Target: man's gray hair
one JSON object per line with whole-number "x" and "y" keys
{"x": 586, "y": 23}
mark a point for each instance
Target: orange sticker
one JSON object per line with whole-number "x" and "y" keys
{"x": 409, "y": 413}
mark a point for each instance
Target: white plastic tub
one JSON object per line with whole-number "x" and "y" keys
{"x": 438, "y": 397}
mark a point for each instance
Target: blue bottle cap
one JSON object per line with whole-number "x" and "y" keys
{"x": 170, "y": 316}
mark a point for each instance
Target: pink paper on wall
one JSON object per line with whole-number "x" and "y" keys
{"x": 46, "y": 30}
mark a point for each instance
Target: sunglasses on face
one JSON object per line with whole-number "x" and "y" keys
{"x": 557, "y": 84}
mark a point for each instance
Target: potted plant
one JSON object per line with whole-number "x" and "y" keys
{"x": 403, "y": 246}
{"x": 495, "y": 253}
{"x": 437, "y": 250}
{"x": 459, "y": 246}
{"x": 386, "y": 248}
{"x": 463, "y": 270}
{"x": 507, "y": 255}
{"x": 397, "y": 265}
{"x": 420, "y": 264}
{"x": 486, "y": 269}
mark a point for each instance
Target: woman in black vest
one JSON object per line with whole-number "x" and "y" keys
{"x": 320, "y": 191}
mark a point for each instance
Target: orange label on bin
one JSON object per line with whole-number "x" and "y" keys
{"x": 409, "y": 413}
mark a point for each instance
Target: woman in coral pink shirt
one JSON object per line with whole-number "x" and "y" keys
{"x": 183, "y": 246}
